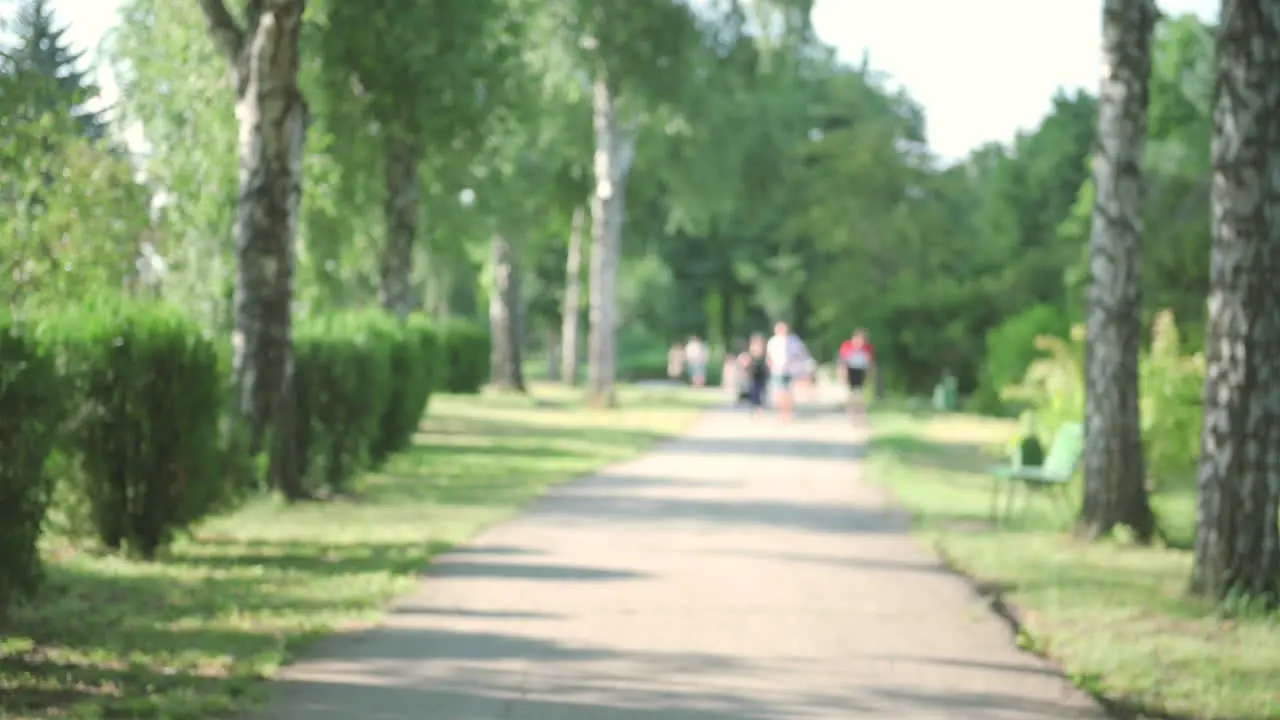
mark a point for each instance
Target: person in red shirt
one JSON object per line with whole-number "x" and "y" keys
{"x": 857, "y": 362}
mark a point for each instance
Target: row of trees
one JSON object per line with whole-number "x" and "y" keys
{"x": 1237, "y": 549}
{"x": 658, "y": 167}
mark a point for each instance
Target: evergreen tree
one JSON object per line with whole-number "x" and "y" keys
{"x": 42, "y": 74}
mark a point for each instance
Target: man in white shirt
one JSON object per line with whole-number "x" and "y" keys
{"x": 786, "y": 356}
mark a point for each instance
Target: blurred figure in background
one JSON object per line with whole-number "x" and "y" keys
{"x": 696, "y": 356}
{"x": 857, "y": 364}
{"x": 675, "y": 361}
{"x": 731, "y": 376}
{"x": 755, "y": 366}
{"x": 786, "y": 356}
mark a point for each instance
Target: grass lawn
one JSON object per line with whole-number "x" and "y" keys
{"x": 192, "y": 635}
{"x": 1113, "y": 616}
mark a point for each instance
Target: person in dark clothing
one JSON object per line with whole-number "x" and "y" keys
{"x": 756, "y": 366}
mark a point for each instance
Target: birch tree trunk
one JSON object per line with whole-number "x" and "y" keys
{"x": 552, "y": 341}
{"x": 506, "y": 371}
{"x": 272, "y": 118}
{"x": 614, "y": 152}
{"x": 1114, "y": 471}
{"x": 396, "y": 292}
{"x": 571, "y": 323}
{"x": 1237, "y": 551}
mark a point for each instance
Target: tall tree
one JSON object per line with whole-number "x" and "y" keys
{"x": 1115, "y": 481}
{"x": 1237, "y": 550}
{"x": 633, "y": 52}
{"x": 42, "y": 53}
{"x": 505, "y": 316}
{"x": 571, "y": 323}
{"x": 263, "y": 50}
{"x": 422, "y": 74}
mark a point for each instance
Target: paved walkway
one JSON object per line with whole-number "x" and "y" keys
{"x": 740, "y": 573}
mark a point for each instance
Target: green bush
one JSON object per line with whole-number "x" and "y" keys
{"x": 414, "y": 364}
{"x": 343, "y": 366}
{"x": 465, "y": 365}
{"x": 1171, "y": 384}
{"x": 1010, "y": 349}
{"x": 29, "y": 409}
{"x": 147, "y": 394}
{"x": 1172, "y": 404}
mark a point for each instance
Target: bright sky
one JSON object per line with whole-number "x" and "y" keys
{"x": 982, "y": 69}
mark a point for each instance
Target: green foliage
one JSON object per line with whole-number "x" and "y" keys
{"x": 1010, "y": 346}
{"x": 1053, "y": 385}
{"x": 465, "y": 347}
{"x": 1172, "y": 404}
{"x": 344, "y": 385}
{"x": 1171, "y": 401}
{"x": 29, "y": 410}
{"x": 414, "y": 365}
{"x": 147, "y": 392}
{"x": 363, "y": 382}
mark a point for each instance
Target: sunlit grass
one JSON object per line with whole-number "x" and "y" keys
{"x": 1115, "y": 617}
{"x": 192, "y": 635}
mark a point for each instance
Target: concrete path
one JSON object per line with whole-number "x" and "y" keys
{"x": 743, "y": 572}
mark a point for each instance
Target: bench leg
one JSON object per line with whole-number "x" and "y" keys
{"x": 1012, "y": 504}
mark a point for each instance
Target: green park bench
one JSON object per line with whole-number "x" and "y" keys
{"x": 1053, "y": 475}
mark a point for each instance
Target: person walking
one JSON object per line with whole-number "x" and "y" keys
{"x": 857, "y": 364}
{"x": 696, "y": 355}
{"x": 785, "y": 355}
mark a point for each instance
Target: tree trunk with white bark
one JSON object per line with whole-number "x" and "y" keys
{"x": 571, "y": 322}
{"x": 552, "y": 342}
{"x": 1114, "y": 470}
{"x": 1237, "y": 547}
{"x": 614, "y": 152}
{"x": 272, "y": 119}
{"x": 505, "y": 317}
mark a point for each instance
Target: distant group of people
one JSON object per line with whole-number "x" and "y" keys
{"x": 776, "y": 368}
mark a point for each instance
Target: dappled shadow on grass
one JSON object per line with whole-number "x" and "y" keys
{"x": 39, "y": 687}
{"x": 310, "y": 557}
{"x": 148, "y": 644}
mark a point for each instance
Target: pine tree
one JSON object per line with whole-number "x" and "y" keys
{"x": 45, "y": 74}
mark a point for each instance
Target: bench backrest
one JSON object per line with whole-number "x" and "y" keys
{"x": 1064, "y": 456}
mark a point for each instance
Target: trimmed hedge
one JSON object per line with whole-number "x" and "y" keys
{"x": 415, "y": 367}
{"x": 113, "y": 418}
{"x": 465, "y": 348}
{"x": 364, "y": 380}
{"x": 29, "y": 411}
{"x": 147, "y": 394}
{"x": 343, "y": 374}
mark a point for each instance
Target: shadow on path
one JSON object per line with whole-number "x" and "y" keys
{"x": 776, "y": 447}
{"x": 587, "y": 503}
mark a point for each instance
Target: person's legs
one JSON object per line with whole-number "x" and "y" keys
{"x": 782, "y": 396}
{"x": 698, "y": 373}
{"x": 755, "y": 396}
{"x": 857, "y": 379}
